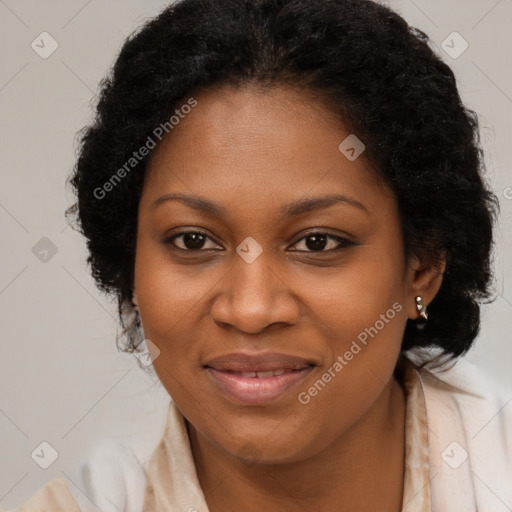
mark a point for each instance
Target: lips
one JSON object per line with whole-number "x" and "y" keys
{"x": 257, "y": 379}
{"x": 263, "y": 362}
{"x": 262, "y": 375}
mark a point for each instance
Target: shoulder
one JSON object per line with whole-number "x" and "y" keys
{"x": 467, "y": 393}
{"x": 470, "y": 436}
{"x": 55, "y": 496}
{"x": 112, "y": 478}
{"x": 471, "y": 389}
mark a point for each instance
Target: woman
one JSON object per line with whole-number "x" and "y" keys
{"x": 287, "y": 200}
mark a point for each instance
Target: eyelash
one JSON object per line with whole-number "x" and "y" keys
{"x": 343, "y": 242}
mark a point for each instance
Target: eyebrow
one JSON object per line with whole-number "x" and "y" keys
{"x": 293, "y": 209}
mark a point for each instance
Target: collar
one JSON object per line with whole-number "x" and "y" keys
{"x": 417, "y": 492}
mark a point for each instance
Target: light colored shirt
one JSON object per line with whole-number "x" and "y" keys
{"x": 458, "y": 456}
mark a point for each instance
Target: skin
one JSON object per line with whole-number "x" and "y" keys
{"x": 252, "y": 152}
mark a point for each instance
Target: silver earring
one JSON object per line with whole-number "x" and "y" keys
{"x": 134, "y": 303}
{"x": 421, "y": 308}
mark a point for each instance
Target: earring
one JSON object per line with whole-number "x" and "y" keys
{"x": 134, "y": 301}
{"x": 421, "y": 308}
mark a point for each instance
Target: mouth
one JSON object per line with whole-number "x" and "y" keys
{"x": 261, "y": 375}
{"x": 257, "y": 379}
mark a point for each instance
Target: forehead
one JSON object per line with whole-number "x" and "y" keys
{"x": 279, "y": 144}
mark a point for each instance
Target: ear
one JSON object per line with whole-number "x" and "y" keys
{"x": 424, "y": 280}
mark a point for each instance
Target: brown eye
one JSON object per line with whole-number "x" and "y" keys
{"x": 319, "y": 241}
{"x": 189, "y": 241}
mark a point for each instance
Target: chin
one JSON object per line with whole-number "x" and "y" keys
{"x": 253, "y": 451}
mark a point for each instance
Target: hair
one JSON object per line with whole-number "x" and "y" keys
{"x": 362, "y": 61}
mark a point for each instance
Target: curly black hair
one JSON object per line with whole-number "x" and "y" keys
{"x": 362, "y": 61}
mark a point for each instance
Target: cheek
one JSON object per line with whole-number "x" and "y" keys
{"x": 366, "y": 294}
{"x": 365, "y": 315}
{"x": 361, "y": 308}
{"x": 167, "y": 296}
{"x": 167, "y": 291}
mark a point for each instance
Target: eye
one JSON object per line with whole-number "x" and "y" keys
{"x": 189, "y": 241}
{"x": 318, "y": 241}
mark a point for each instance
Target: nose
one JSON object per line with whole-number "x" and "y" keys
{"x": 253, "y": 297}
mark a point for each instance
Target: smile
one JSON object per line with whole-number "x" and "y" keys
{"x": 256, "y": 388}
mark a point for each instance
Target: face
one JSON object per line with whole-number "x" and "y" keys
{"x": 282, "y": 257}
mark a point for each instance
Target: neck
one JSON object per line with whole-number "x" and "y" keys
{"x": 362, "y": 470}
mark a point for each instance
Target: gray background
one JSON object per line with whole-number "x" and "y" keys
{"x": 61, "y": 378}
